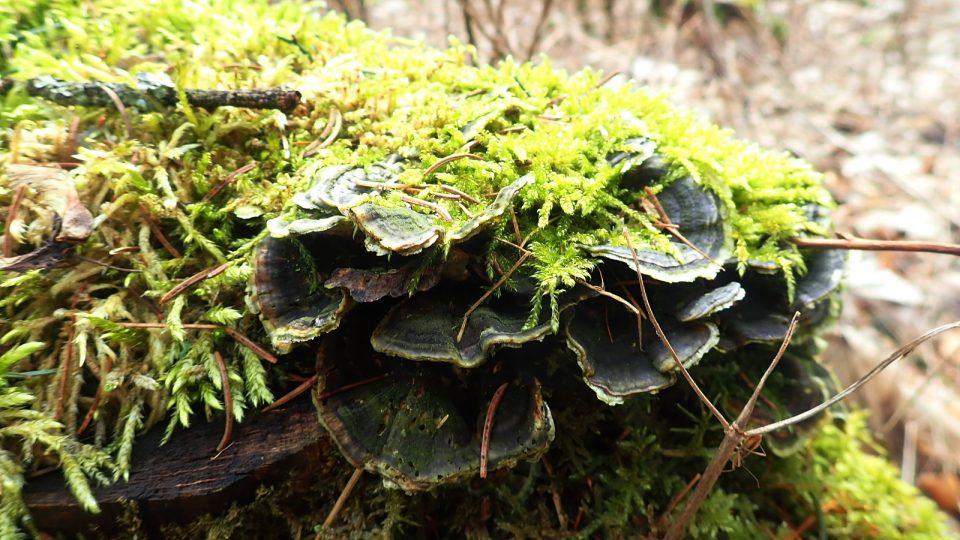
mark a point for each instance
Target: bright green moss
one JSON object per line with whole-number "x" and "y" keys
{"x": 392, "y": 97}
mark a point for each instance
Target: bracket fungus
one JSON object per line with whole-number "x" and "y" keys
{"x": 419, "y": 426}
{"x": 422, "y": 426}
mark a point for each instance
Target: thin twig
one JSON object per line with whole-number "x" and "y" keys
{"x": 488, "y": 427}
{"x": 342, "y": 499}
{"x": 503, "y": 279}
{"x": 455, "y": 191}
{"x": 672, "y": 228}
{"x": 290, "y": 396}
{"x": 112, "y": 94}
{"x": 11, "y": 216}
{"x": 250, "y": 344}
{"x": 155, "y": 229}
{"x": 347, "y": 387}
{"x": 538, "y": 28}
{"x": 191, "y": 281}
{"x": 227, "y": 402}
{"x": 97, "y": 396}
{"x": 227, "y": 180}
{"x": 734, "y": 435}
{"x": 666, "y": 343}
{"x": 66, "y": 364}
{"x": 329, "y": 134}
{"x": 865, "y": 244}
{"x": 441, "y": 211}
{"x": 188, "y": 326}
{"x": 898, "y": 354}
{"x": 617, "y": 298}
{"x": 443, "y": 161}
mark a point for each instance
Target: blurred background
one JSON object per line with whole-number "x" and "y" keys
{"x": 868, "y": 91}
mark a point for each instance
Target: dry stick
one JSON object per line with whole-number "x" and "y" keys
{"x": 97, "y": 396}
{"x": 607, "y": 79}
{"x": 443, "y": 161}
{"x": 666, "y": 342}
{"x": 441, "y": 211}
{"x": 538, "y": 29}
{"x": 155, "y": 229}
{"x": 71, "y": 148}
{"x": 459, "y": 193}
{"x": 351, "y": 386}
{"x": 898, "y": 354}
{"x": 227, "y": 402}
{"x": 237, "y": 336}
{"x": 151, "y": 325}
{"x": 680, "y": 496}
{"x": 734, "y": 435}
{"x": 617, "y": 298}
{"x": 191, "y": 281}
{"x": 303, "y": 387}
{"x": 227, "y": 180}
{"x": 516, "y": 226}
{"x": 112, "y": 94}
{"x": 864, "y": 244}
{"x": 503, "y": 279}
{"x": 672, "y": 229}
{"x": 342, "y": 499}
{"x": 488, "y": 427}
{"x": 12, "y": 215}
{"x": 65, "y": 367}
{"x": 329, "y": 134}
{"x": 250, "y": 344}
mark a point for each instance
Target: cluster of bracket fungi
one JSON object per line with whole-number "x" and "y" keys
{"x": 421, "y": 383}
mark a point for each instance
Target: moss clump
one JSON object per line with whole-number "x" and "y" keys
{"x": 368, "y": 97}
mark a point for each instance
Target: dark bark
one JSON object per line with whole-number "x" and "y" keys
{"x": 179, "y": 482}
{"x": 153, "y": 93}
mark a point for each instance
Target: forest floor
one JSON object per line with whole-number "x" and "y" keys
{"x": 866, "y": 91}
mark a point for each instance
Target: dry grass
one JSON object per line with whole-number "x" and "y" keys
{"x": 868, "y": 93}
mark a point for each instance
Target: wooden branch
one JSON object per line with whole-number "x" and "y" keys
{"x": 865, "y": 244}
{"x": 178, "y": 482}
{"x": 153, "y": 93}
{"x": 898, "y": 354}
{"x": 733, "y": 438}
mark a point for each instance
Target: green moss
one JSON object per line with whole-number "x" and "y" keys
{"x": 618, "y": 468}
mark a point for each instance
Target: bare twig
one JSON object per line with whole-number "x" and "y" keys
{"x": 97, "y": 396}
{"x": 666, "y": 343}
{"x": 227, "y": 402}
{"x": 443, "y": 161}
{"x": 301, "y": 388}
{"x": 461, "y": 194}
{"x": 342, "y": 499}
{"x": 441, "y": 211}
{"x": 92, "y": 94}
{"x": 191, "y": 281}
{"x": 733, "y": 438}
{"x": 329, "y": 394}
{"x": 329, "y": 134}
{"x": 155, "y": 229}
{"x": 11, "y": 216}
{"x": 227, "y": 180}
{"x": 538, "y": 28}
{"x": 488, "y": 427}
{"x": 898, "y": 354}
{"x": 118, "y": 103}
{"x": 503, "y": 279}
{"x": 864, "y": 244}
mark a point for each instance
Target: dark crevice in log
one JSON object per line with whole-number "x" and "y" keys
{"x": 178, "y": 482}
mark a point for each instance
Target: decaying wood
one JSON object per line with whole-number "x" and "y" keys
{"x": 153, "y": 93}
{"x": 179, "y": 481}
